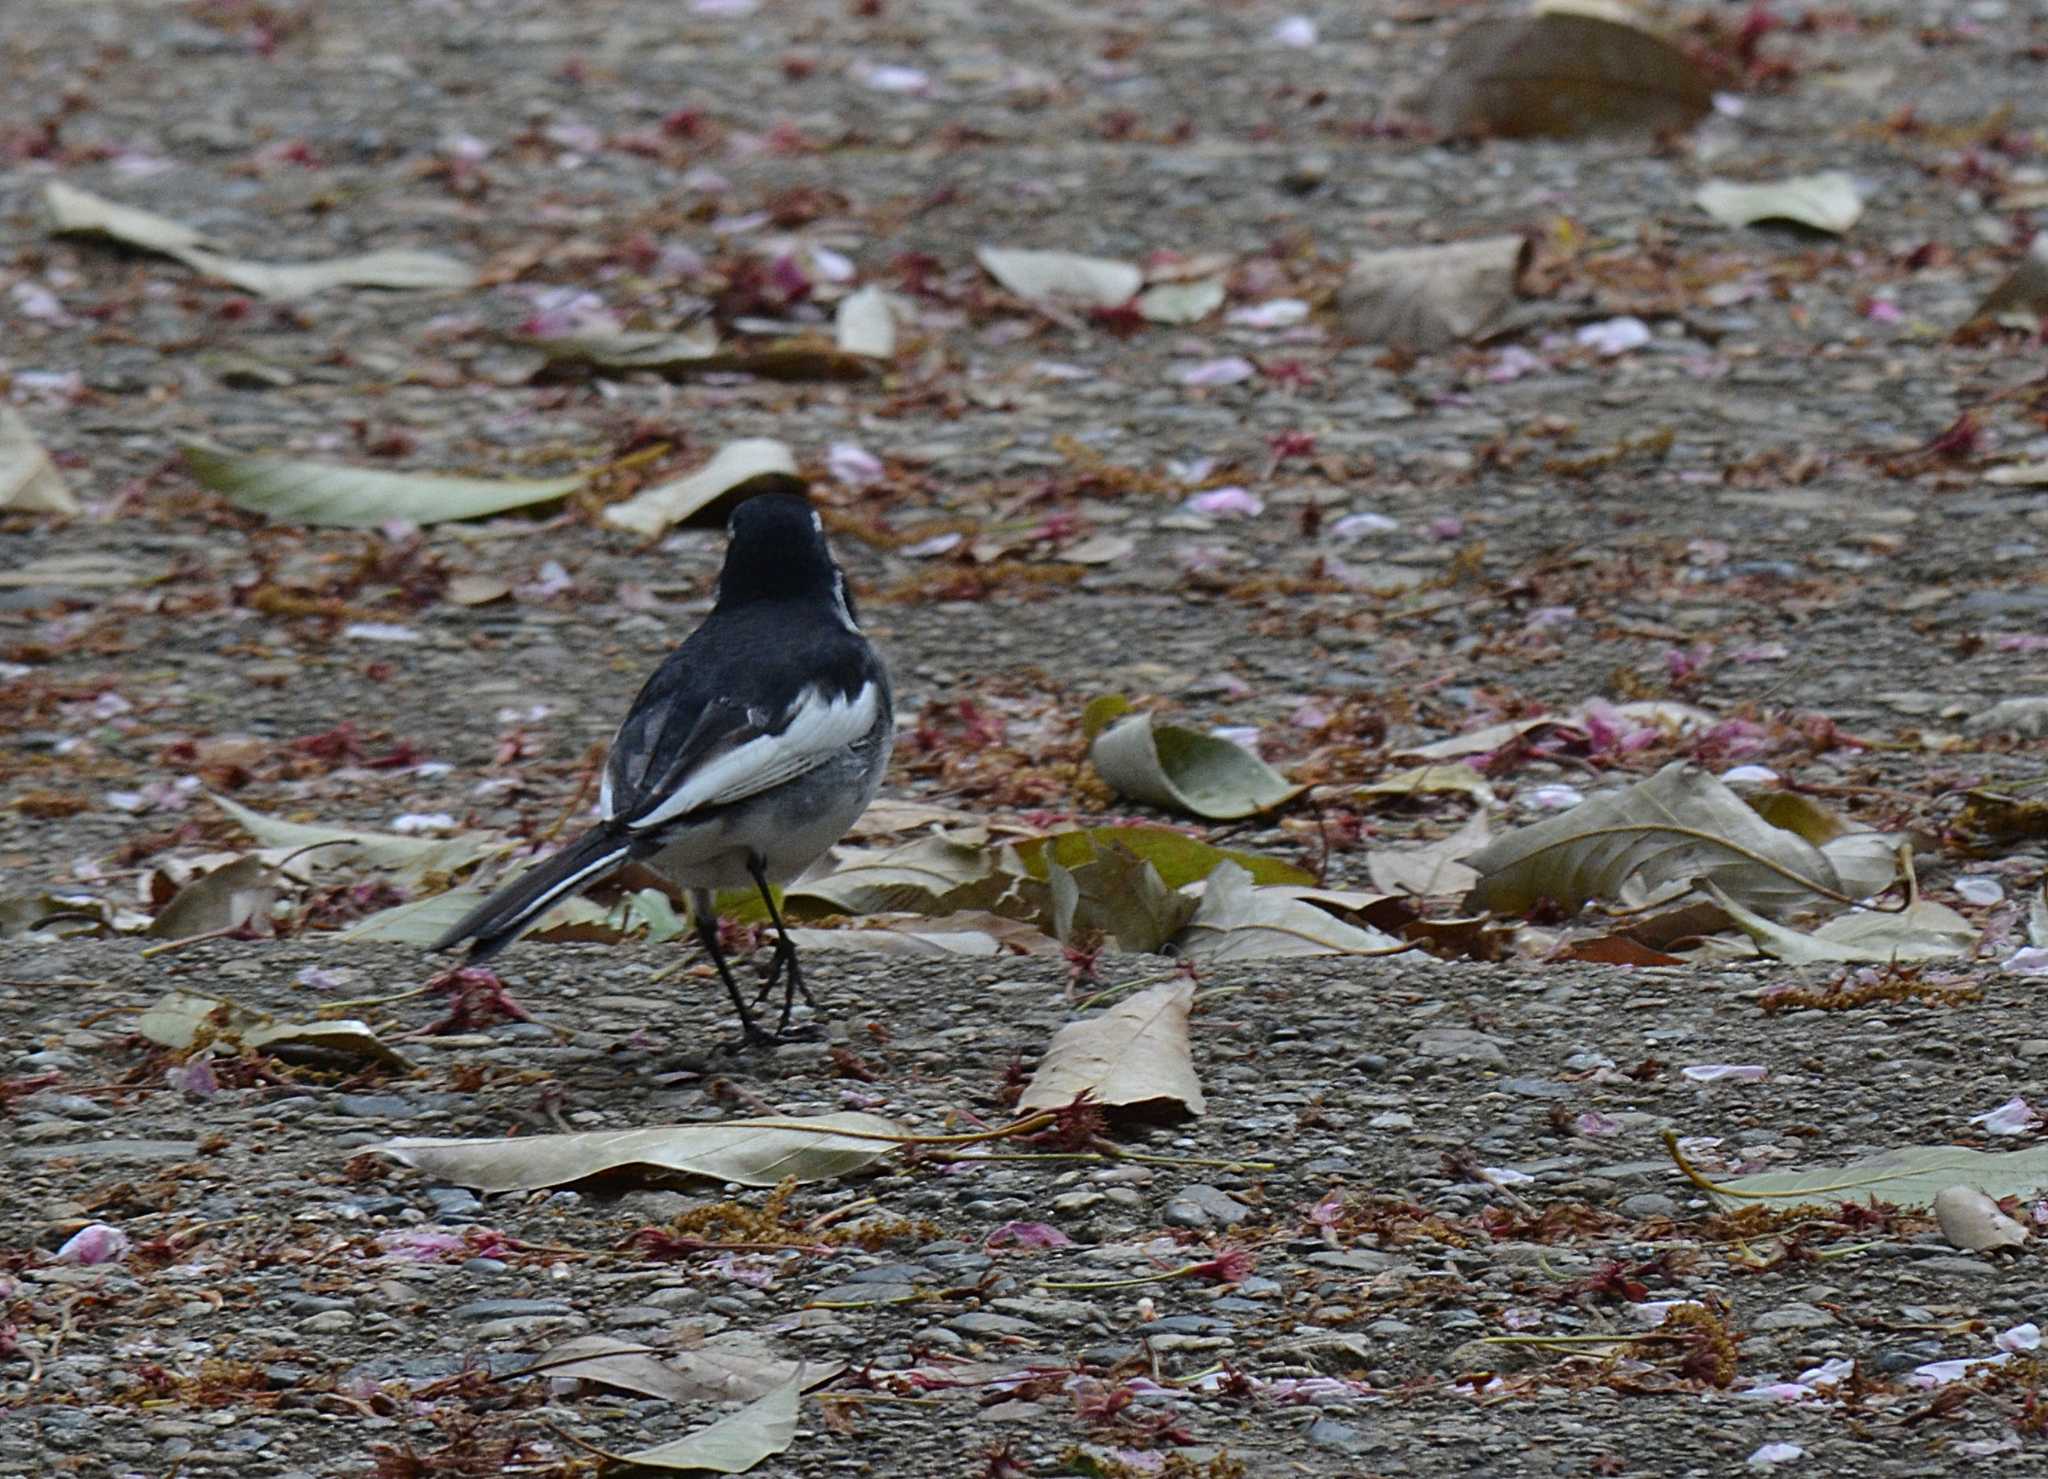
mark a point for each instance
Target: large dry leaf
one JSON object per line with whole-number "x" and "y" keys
{"x": 2021, "y": 300}
{"x": 892, "y": 816}
{"x": 865, "y": 324}
{"x": 653, "y": 511}
{"x": 696, "y": 1374}
{"x": 1181, "y": 302}
{"x": 1119, "y": 894}
{"x": 1433, "y": 780}
{"x": 1062, "y": 277}
{"x": 734, "y": 1444}
{"x": 750, "y": 1152}
{"x": 77, "y": 212}
{"x": 1912, "y": 1176}
{"x": 182, "y": 1019}
{"x": 1481, "y": 741}
{"x": 1434, "y": 869}
{"x": 1926, "y": 930}
{"x": 29, "y": 481}
{"x": 1239, "y": 920}
{"x": 60, "y": 916}
{"x": 320, "y": 493}
{"x": 1135, "y": 1053}
{"x": 1184, "y": 770}
{"x": 1679, "y": 827}
{"x": 970, "y": 933}
{"x": 807, "y": 357}
{"x": 655, "y": 352}
{"x": 1825, "y": 202}
{"x": 1428, "y": 297}
{"x": 94, "y": 570}
{"x": 423, "y": 921}
{"x": 931, "y": 875}
{"x": 319, "y": 845}
{"x": 241, "y": 893}
{"x": 1561, "y": 75}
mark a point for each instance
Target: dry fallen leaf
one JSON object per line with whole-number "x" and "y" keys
{"x": 1433, "y": 780}
{"x": 2021, "y": 301}
{"x": 1681, "y": 826}
{"x": 1926, "y": 930}
{"x": 1181, "y": 302}
{"x": 318, "y": 493}
{"x": 1184, "y": 770}
{"x": 865, "y": 324}
{"x": 1825, "y": 202}
{"x": 680, "y": 352}
{"x": 180, "y": 1019}
{"x": 654, "y": 510}
{"x": 704, "y": 1373}
{"x": 225, "y": 899}
{"x": 734, "y": 1444}
{"x": 1239, "y": 920}
{"x": 78, "y": 212}
{"x": 750, "y": 1152}
{"x": 1118, "y": 894}
{"x": 1561, "y": 74}
{"x": 1434, "y": 869}
{"x": 1973, "y": 1222}
{"x": 317, "y": 845}
{"x": 1912, "y": 1176}
{"x": 1428, "y": 297}
{"x": 29, "y": 481}
{"x": 1135, "y": 1053}
{"x": 1062, "y": 277}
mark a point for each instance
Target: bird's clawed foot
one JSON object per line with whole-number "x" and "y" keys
{"x": 755, "y": 1037}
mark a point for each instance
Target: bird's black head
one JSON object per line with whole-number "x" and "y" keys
{"x": 778, "y": 553}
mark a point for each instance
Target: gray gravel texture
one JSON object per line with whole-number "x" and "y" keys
{"x": 1767, "y": 478}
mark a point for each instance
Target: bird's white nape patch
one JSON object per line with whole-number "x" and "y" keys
{"x": 816, "y": 729}
{"x": 817, "y": 522}
{"x": 839, "y": 607}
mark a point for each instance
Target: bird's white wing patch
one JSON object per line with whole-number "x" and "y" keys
{"x": 818, "y": 728}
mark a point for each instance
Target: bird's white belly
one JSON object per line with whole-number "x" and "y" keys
{"x": 788, "y": 830}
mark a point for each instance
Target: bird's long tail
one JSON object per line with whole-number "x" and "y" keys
{"x": 505, "y": 915}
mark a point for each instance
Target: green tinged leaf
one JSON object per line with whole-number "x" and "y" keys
{"x": 1178, "y": 858}
{"x": 1908, "y": 1177}
{"x": 318, "y": 493}
{"x": 1101, "y": 712}
{"x": 1119, "y": 894}
{"x": 1185, "y": 770}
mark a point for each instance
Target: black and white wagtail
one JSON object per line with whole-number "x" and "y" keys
{"x": 749, "y": 753}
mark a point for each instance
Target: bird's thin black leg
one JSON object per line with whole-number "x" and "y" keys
{"x": 785, "y": 951}
{"x": 705, "y": 913}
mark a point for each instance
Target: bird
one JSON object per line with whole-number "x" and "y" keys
{"x": 748, "y": 754}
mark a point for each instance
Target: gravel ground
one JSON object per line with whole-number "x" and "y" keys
{"x": 1775, "y": 509}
